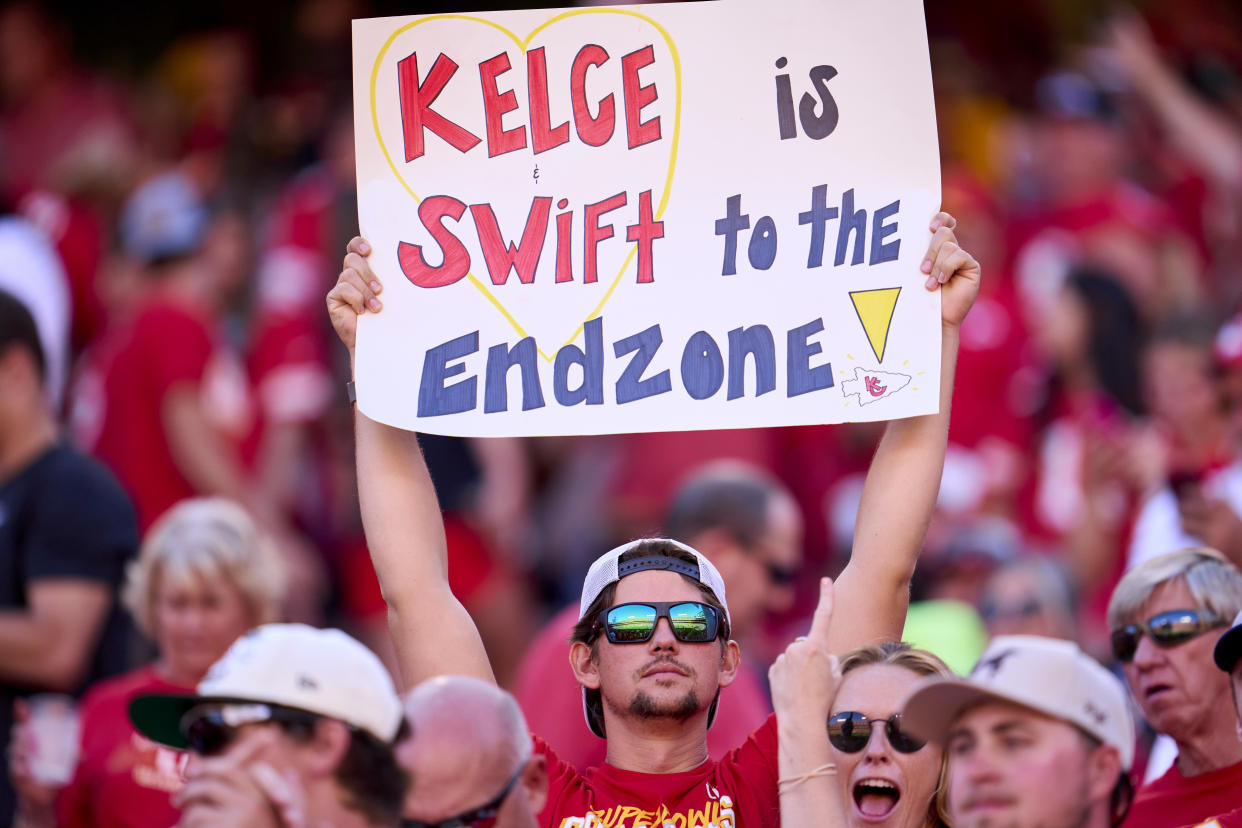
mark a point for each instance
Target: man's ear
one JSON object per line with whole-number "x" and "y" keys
{"x": 535, "y": 782}
{"x": 582, "y": 662}
{"x": 327, "y": 748}
{"x": 1103, "y": 771}
{"x": 730, "y": 662}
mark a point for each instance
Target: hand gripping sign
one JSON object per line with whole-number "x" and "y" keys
{"x": 663, "y": 217}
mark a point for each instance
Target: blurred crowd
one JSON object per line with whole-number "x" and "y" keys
{"x": 172, "y": 227}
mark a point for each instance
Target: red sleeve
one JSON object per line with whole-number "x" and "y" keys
{"x": 176, "y": 345}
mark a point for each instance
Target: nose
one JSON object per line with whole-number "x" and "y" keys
{"x": 663, "y": 638}
{"x": 877, "y": 748}
{"x": 1147, "y": 654}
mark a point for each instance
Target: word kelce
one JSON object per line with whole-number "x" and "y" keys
{"x": 702, "y": 369}
{"x": 594, "y": 130}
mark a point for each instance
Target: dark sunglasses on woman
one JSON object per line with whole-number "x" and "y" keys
{"x": 849, "y": 731}
{"x": 692, "y": 622}
{"x": 1167, "y": 629}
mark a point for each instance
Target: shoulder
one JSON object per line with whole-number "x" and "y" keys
{"x": 71, "y": 477}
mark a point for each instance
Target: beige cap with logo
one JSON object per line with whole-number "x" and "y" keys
{"x": 1047, "y": 675}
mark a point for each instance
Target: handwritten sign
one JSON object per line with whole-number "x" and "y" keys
{"x": 660, "y": 217}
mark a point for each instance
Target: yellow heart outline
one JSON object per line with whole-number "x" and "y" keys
{"x": 522, "y": 44}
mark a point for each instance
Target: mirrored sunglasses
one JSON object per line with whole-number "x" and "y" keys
{"x": 1167, "y": 629}
{"x": 692, "y": 622}
{"x": 849, "y": 731}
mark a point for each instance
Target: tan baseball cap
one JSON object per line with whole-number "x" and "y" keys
{"x": 324, "y": 672}
{"x": 1047, "y": 675}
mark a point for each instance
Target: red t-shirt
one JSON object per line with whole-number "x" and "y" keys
{"x": 165, "y": 345}
{"x": 122, "y": 780}
{"x": 1233, "y": 819}
{"x": 546, "y": 689}
{"x": 738, "y": 790}
{"x": 1174, "y": 799}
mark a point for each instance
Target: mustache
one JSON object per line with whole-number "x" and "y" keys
{"x": 662, "y": 661}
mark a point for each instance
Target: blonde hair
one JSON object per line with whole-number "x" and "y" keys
{"x": 1213, "y": 582}
{"x": 212, "y": 538}
{"x": 921, "y": 663}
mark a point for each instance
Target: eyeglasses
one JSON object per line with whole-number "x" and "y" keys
{"x": 209, "y": 730}
{"x": 481, "y": 817}
{"x": 692, "y": 622}
{"x": 849, "y": 731}
{"x": 1168, "y": 629}
{"x": 993, "y": 611}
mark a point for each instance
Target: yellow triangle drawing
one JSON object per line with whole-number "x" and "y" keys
{"x": 875, "y": 312}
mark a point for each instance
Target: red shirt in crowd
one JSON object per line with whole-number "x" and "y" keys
{"x": 546, "y": 690}
{"x": 122, "y": 780}
{"x": 120, "y": 401}
{"x": 1174, "y": 799}
{"x": 1233, "y": 819}
{"x": 738, "y": 790}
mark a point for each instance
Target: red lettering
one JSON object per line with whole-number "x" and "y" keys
{"x": 874, "y": 388}
{"x": 495, "y": 105}
{"x": 637, "y": 97}
{"x": 595, "y": 234}
{"x": 644, "y": 233}
{"x": 564, "y": 239}
{"x": 594, "y": 131}
{"x": 523, "y": 257}
{"x": 456, "y": 264}
{"x": 416, "y": 112}
{"x": 543, "y": 135}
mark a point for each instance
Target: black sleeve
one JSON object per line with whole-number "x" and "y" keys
{"x": 83, "y": 524}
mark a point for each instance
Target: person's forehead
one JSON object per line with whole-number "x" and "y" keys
{"x": 996, "y": 715}
{"x": 655, "y": 585}
{"x": 875, "y": 690}
{"x": 1168, "y": 595}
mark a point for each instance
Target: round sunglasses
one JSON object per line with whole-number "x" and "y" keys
{"x": 849, "y": 731}
{"x": 692, "y": 622}
{"x": 1167, "y": 629}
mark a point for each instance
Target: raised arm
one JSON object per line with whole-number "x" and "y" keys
{"x": 432, "y": 631}
{"x": 804, "y": 681}
{"x": 904, "y": 479}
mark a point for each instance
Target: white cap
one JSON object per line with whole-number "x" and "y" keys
{"x": 320, "y": 671}
{"x": 1047, "y": 675}
{"x": 608, "y": 569}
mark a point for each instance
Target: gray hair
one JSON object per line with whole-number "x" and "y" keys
{"x": 212, "y": 538}
{"x": 1212, "y": 580}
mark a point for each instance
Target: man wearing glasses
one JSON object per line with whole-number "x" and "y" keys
{"x": 471, "y": 760}
{"x": 1166, "y": 616}
{"x": 656, "y": 651}
{"x": 292, "y": 726}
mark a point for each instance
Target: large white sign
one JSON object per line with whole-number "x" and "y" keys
{"x": 659, "y": 217}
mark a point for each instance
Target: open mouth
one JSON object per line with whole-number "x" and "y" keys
{"x": 1156, "y": 689}
{"x": 875, "y": 798}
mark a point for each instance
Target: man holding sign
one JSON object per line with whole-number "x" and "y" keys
{"x": 651, "y": 649}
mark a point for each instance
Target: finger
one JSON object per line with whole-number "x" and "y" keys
{"x": 938, "y": 240}
{"x": 362, "y": 267}
{"x": 347, "y": 294}
{"x": 951, "y": 261}
{"x": 822, "y": 620}
{"x": 350, "y": 276}
{"x": 281, "y": 791}
{"x": 942, "y": 219}
{"x": 358, "y": 245}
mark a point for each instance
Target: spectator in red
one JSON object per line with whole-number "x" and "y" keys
{"x": 205, "y": 576}
{"x": 175, "y": 408}
{"x": 66, "y": 533}
{"x": 749, "y": 526}
{"x": 1166, "y": 617}
{"x": 1198, "y": 494}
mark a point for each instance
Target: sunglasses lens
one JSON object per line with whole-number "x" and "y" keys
{"x": 1172, "y": 628}
{"x": 1125, "y": 641}
{"x": 693, "y": 622}
{"x": 848, "y": 731}
{"x": 207, "y": 737}
{"x": 630, "y": 623}
{"x": 900, "y": 740}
